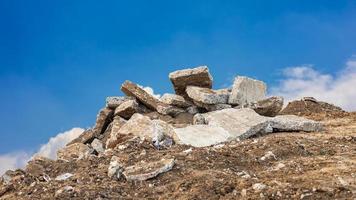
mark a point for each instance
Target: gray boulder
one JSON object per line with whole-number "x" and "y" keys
{"x": 175, "y": 100}
{"x": 246, "y": 90}
{"x": 202, "y": 96}
{"x": 269, "y": 107}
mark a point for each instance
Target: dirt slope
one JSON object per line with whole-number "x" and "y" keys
{"x": 277, "y": 166}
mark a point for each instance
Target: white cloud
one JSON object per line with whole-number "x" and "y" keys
{"x": 301, "y": 81}
{"x": 50, "y": 149}
{"x": 19, "y": 159}
{"x": 149, "y": 90}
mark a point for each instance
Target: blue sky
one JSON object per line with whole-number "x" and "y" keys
{"x": 60, "y": 59}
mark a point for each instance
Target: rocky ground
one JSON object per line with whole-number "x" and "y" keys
{"x": 293, "y": 165}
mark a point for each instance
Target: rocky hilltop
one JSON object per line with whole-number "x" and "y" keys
{"x": 200, "y": 143}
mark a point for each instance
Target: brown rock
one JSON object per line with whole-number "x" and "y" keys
{"x": 127, "y": 109}
{"x": 175, "y": 100}
{"x": 132, "y": 89}
{"x": 199, "y": 76}
{"x": 115, "y": 137}
{"x": 103, "y": 119}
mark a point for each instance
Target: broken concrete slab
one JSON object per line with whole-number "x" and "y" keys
{"x": 74, "y": 151}
{"x": 144, "y": 127}
{"x": 198, "y": 76}
{"x": 63, "y": 177}
{"x": 127, "y": 109}
{"x": 97, "y": 145}
{"x": 247, "y": 90}
{"x": 202, "y": 96}
{"x": 201, "y": 135}
{"x": 114, "y": 134}
{"x": 269, "y": 107}
{"x": 132, "y": 89}
{"x": 143, "y": 171}
{"x": 294, "y": 123}
{"x": 103, "y": 119}
{"x": 175, "y": 100}
{"x": 239, "y": 123}
{"x": 115, "y": 168}
{"x": 114, "y": 102}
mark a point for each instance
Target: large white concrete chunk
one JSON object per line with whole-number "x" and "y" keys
{"x": 294, "y": 123}
{"x": 206, "y": 96}
{"x": 198, "y": 76}
{"x": 246, "y": 90}
{"x": 201, "y": 135}
{"x": 239, "y": 123}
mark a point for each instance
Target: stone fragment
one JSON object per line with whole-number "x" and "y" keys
{"x": 132, "y": 89}
{"x": 127, "y": 109}
{"x": 169, "y": 110}
{"x": 103, "y": 119}
{"x": 294, "y": 123}
{"x": 114, "y": 135}
{"x": 97, "y": 146}
{"x": 202, "y": 96}
{"x": 175, "y": 100}
{"x": 201, "y": 135}
{"x": 199, "y": 119}
{"x": 86, "y": 137}
{"x": 193, "y": 110}
{"x": 63, "y": 191}
{"x": 198, "y": 76}
{"x": 246, "y": 90}
{"x": 143, "y": 171}
{"x": 259, "y": 186}
{"x": 115, "y": 168}
{"x": 239, "y": 123}
{"x": 268, "y": 107}
{"x": 114, "y": 102}
{"x": 63, "y": 177}
{"x": 144, "y": 127}
{"x": 74, "y": 151}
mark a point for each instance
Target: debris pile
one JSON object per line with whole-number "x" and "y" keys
{"x": 136, "y": 137}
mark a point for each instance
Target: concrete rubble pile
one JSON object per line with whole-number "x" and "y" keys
{"x": 195, "y": 115}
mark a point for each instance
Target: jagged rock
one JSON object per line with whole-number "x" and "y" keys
{"x": 202, "y": 96}
{"x": 63, "y": 177}
{"x": 198, "y": 76}
{"x": 246, "y": 90}
{"x": 114, "y": 135}
{"x": 201, "y": 135}
{"x": 97, "y": 145}
{"x": 86, "y": 137}
{"x": 144, "y": 171}
{"x": 268, "y": 107}
{"x": 239, "y": 123}
{"x": 103, "y": 119}
{"x": 175, "y": 100}
{"x": 127, "y": 109}
{"x": 245, "y": 122}
{"x": 74, "y": 151}
{"x": 115, "y": 168}
{"x": 169, "y": 110}
{"x": 114, "y": 102}
{"x": 107, "y": 133}
{"x": 132, "y": 89}
{"x": 144, "y": 127}
{"x": 295, "y": 123}
{"x": 156, "y": 115}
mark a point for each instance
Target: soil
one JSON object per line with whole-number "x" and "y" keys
{"x": 288, "y": 165}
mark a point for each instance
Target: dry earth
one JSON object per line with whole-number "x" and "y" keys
{"x": 276, "y": 166}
